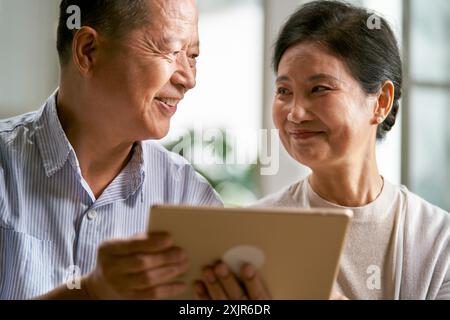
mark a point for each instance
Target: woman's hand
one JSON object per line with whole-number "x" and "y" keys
{"x": 219, "y": 283}
{"x": 338, "y": 296}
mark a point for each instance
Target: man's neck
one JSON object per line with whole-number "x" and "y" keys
{"x": 101, "y": 155}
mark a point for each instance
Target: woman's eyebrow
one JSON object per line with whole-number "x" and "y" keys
{"x": 316, "y": 77}
{"x": 323, "y": 76}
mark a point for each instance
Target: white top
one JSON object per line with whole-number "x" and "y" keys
{"x": 398, "y": 246}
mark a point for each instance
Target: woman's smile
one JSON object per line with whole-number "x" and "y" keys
{"x": 303, "y": 135}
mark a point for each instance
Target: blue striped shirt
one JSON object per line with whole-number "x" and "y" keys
{"x": 49, "y": 218}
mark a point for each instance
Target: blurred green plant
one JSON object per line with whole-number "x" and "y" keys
{"x": 213, "y": 158}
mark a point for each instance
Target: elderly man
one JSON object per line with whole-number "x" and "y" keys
{"x": 82, "y": 169}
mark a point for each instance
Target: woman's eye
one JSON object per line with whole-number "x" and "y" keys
{"x": 320, "y": 89}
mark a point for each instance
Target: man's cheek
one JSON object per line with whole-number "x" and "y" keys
{"x": 164, "y": 71}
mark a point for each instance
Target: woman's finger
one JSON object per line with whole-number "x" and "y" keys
{"x": 213, "y": 285}
{"x": 230, "y": 284}
{"x": 254, "y": 284}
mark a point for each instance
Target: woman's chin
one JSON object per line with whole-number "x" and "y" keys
{"x": 308, "y": 159}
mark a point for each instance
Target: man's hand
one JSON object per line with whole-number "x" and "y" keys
{"x": 139, "y": 268}
{"x": 219, "y": 283}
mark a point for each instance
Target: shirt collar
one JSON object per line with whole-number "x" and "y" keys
{"x": 128, "y": 182}
{"x": 52, "y": 140}
{"x": 56, "y": 150}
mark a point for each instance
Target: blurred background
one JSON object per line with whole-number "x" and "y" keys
{"x": 220, "y": 118}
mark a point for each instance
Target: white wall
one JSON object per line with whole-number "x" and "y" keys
{"x": 28, "y": 58}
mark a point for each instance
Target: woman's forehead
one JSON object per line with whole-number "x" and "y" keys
{"x": 311, "y": 59}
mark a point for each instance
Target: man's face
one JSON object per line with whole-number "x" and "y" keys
{"x": 140, "y": 81}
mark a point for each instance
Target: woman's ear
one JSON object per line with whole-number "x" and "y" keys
{"x": 84, "y": 50}
{"x": 384, "y": 102}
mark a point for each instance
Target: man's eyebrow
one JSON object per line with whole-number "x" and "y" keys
{"x": 195, "y": 45}
{"x": 171, "y": 40}
{"x": 282, "y": 78}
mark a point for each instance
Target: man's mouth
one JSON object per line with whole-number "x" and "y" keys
{"x": 167, "y": 105}
{"x": 171, "y": 102}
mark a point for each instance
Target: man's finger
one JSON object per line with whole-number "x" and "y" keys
{"x": 141, "y": 262}
{"x": 149, "y": 244}
{"x": 155, "y": 277}
{"x": 253, "y": 284}
{"x": 231, "y": 286}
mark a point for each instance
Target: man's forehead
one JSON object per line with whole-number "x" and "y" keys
{"x": 193, "y": 41}
{"x": 174, "y": 9}
{"x": 175, "y": 21}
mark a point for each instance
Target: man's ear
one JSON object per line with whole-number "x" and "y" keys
{"x": 384, "y": 102}
{"x": 84, "y": 50}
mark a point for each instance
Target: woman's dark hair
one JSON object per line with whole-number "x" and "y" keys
{"x": 364, "y": 41}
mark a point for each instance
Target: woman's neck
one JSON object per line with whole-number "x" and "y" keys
{"x": 350, "y": 185}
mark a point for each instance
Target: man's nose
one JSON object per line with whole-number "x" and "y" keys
{"x": 185, "y": 74}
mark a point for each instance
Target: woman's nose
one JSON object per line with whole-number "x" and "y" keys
{"x": 298, "y": 112}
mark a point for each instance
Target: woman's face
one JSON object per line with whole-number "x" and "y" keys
{"x": 323, "y": 115}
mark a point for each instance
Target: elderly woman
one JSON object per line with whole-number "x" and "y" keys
{"x": 337, "y": 92}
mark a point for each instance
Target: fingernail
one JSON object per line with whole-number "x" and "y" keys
{"x": 182, "y": 255}
{"x": 249, "y": 272}
{"x": 222, "y": 270}
{"x": 209, "y": 275}
{"x": 198, "y": 287}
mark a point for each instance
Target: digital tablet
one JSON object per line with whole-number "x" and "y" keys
{"x": 296, "y": 251}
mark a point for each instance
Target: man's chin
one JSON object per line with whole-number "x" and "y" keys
{"x": 159, "y": 133}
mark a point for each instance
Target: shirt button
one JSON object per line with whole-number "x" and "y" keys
{"x": 92, "y": 215}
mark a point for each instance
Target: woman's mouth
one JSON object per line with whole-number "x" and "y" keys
{"x": 167, "y": 105}
{"x": 303, "y": 134}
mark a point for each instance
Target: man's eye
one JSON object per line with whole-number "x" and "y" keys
{"x": 193, "y": 60}
{"x": 320, "y": 89}
{"x": 282, "y": 91}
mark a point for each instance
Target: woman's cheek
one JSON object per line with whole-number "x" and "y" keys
{"x": 277, "y": 114}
